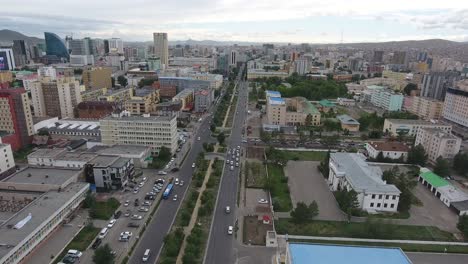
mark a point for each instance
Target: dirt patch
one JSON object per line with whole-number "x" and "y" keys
{"x": 255, "y": 174}
{"x": 255, "y": 230}
{"x": 255, "y": 152}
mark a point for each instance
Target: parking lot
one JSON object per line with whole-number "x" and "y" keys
{"x": 252, "y": 205}
{"x": 307, "y": 184}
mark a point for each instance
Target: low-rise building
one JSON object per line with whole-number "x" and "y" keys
{"x": 345, "y": 101}
{"x": 203, "y": 100}
{"x": 95, "y": 109}
{"x": 186, "y": 98}
{"x": 111, "y": 172}
{"x": 438, "y": 143}
{"x": 410, "y": 126}
{"x": 143, "y": 100}
{"x": 387, "y": 100}
{"x": 390, "y": 149}
{"x": 349, "y": 171}
{"x": 326, "y": 105}
{"x": 349, "y": 123}
{"x": 140, "y": 155}
{"x": 426, "y": 108}
{"x": 290, "y": 111}
{"x": 253, "y": 74}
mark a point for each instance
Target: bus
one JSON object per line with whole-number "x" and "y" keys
{"x": 168, "y": 191}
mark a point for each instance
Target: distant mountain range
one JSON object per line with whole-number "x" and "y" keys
{"x": 7, "y": 36}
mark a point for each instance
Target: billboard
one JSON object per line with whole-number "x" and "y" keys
{"x": 3, "y": 61}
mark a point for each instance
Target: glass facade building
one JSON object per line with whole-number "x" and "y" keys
{"x": 55, "y": 46}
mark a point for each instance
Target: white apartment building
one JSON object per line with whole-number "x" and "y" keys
{"x": 390, "y": 149}
{"x": 190, "y": 62}
{"x": 387, "y": 100}
{"x": 410, "y": 127}
{"x": 153, "y": 131}
{"x": 456, "y": 103}
{"x": 350, "y": 171}
{"x": 438, "y": 143}
{"x": 426, "y": 108}
{"x": 7, "y": 162}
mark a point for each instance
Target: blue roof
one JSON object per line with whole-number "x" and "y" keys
{"x": 334, "y": 254}
{"x": 276, "y": 100}
{"x": 273, "y": 92}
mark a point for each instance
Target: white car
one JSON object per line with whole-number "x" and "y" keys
{"x": 198, "y": 138}
{"x": 74, "y": 253}
{"x": 137, "y": 217}
{"x": 237, "y": 159}
{"x": 147, "y": 203}
{"x": 238, "y": 147}
{"x": 143, "y": 209}
{"x": 135, "y": 191}
{"x": 181, "y": 183}
{"x": 141, "y": 184}
{"x": 228, "y": 209}
{"x": 263, "y": 201}
{"x": 193, "y": 165}
{"x": 174, "y": 198}
{"x": 111, "y": 223}
{"x": 232, "y": 167}
{"x": 232, "y": 162}
{"x": 227, "y": 161}
{"x": 237, "y": 164}
{"x": 127, "y": 202}
{"x": 128, "y": 233}
{"x": 244, "y": 141}
{"x": 230, "y": 230}
{"x": 162, "y": 173}
{"x": 176, "y": 181}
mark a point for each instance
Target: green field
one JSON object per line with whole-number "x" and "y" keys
{"x": 277, "y": 183}
{"x": 377, "y": 230}
{"x": 104, "y": 210}
{"x": 255, "y": 174}
{"x": 305, "y": 155}
{"x": 81, "y": 241}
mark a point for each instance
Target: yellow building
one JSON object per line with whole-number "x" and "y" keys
{"x": 143, "y": 100}
{"x": 290, "y": 111}
{"x": 97, "y": 78}
{"x": 426, "y": 108}
{"x": 6, "y": 76}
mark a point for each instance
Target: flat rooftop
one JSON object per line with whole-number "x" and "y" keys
{"x": 276, "y": 101}
{"x": 389, "y": 146}
{"x": 151, "y": 118}
{"x": 42, "y": 175}
{"x": 346, "y": 119}
{"x": 76, "y": 156}
{"x": 46, "y": 153}
{"x": 334, "y": 254}
{"x": 104, "y": 160}
{"x": 123, "y": 149}
{"x": 40, "y": 209}
{"x": 413, "y": 122}
{"x": 439, "y": 133}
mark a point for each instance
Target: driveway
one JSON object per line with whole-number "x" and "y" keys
{"x": 307, "y": 184}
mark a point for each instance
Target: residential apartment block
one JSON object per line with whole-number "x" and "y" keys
{"x": 7, "y": 162}
{"x": 438, "y": 143}
{"x": 290, "y": 111}
{"x": 153, "y": 131}
{"x": 97, "y": 78}
{"x": 387, "y": 100}
{"x": 426, "y": 108}
{"x": 456, "y": 104}
{"x": 349, "y": 171}
{"x": 143, "y": 100}
{"x": 410, "y": 127}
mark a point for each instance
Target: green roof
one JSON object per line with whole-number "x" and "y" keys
{"x": 326, "y": 103}
{"x": 309, "y": 108}
{"x": 434, "y": 179}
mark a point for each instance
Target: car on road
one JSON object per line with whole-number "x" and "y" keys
{"x": 198, "y": 138}
{"x": 244, "y": 141}
{"x": 125, "y": 236}
{"x": 127, "y": 213}
{"x": 232, "y": 168}
{"x": 175, "y": 169}
{"x": 193, "y": 165}
{"x": 103, "y": 233}
{"x": 162, "y": 173}
{"x": 230, "y": 230}
{"x": 146, "y": 255}
{"x": 232, "y": 162}
{"x": 117, "y": 214}
{"x": 238, "y": 147}
{"x": 137, "y": 217}
{"x": 74, "y": 253}
{"x": 227, "y": 161}
{"x": 176, "y": 181}
{"x": 143, "y": 209}
{"x": 263, "y": 201}
{"x": 237, "y": 159}
{"x": 141, "y": 184}
{"x": 174, "y": 198}
{"x": 227, "y": 210}
{"x": 111, "y": 223}
{"x": 96, "y": 243}
{"x": 127, "y": 202}
{"x": 237, "y": 164}
{"x": 159, "y": 181}
{"x": 146, "y": 203}
{"x": 133, "y": 224}
{"x": 135, "y": 191}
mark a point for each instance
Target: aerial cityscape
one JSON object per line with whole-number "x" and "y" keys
{"x": 234, "y": 136}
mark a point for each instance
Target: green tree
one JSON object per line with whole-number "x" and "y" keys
{"x": 460, "y": 163}
{"x": 221, "y": 138}
{"x": 122, "y": 81}
{"x": 213, "y": 128}
{"x": 164, "y": 153}
{"x": 324, "y": 166}
{"x": 417, "y": 155}
{"x": 265, "y": 136}
{"x": 442, "y": 167}
{"x": 89, "y": 201}
{"x": 409, "y": 88}
{"x": 463, "y": 225}
{"x": 103, "y": 255}
{"x": 303, "y": 213}
{"x": 347, "y": 200}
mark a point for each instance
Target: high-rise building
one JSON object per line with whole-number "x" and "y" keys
{"x": 113, "y": 46}
{"x": 378, "y": 56}
{"x": 161, "y": 48}
{"x": 426, "y": 108}
{"x": 301, "y": 66}
{"x": 55, "y": 46}
{"x": 19, "y": 52}
{"x": 55, "y": 98}
{"x": 435, "y": 84}
{"x": 399, "y": 57}
{"x": 97, "y": 78}
{"x": 154, "y": 63}
{"x": 7, "y": 59}
{"x": 7, "y": 162}
{"x": 233, "y": 58}
{"x": 456, "y": 103}
{"x": 152, "y": 131}
{"x": 16, "y": 117}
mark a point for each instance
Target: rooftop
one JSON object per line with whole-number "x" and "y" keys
{"x": 308, "y": 107}
{"x": 42, "y": 175}
{"x": 270, "y": 93}
{"x": 439, "y": 133}
{"x": 360, "y": 175}
{"x": 413, "y": 122}
{"x": 389, "y": 146}
{"x": 40, "y": 210}
{"x": 76, "y": 156}
{"x": 434, "y": 179}
{"x": 123, "y": 149}
{"x": 326, "y": 103}
{"x": 334, "y": 254}
{"x": 346, "y": 119}
{"x": 150, "y": 118}
{"x": 276, "y": 101}
{"x": 104, "y": 160}
{"x": 46, "y": 153}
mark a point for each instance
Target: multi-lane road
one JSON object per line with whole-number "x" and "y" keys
{"x": 220, "y": 243}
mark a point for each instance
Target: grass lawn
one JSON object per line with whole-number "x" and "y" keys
{"x": 22, "y": 154}
{"x": 377, "y": 230}
{"x": 221, "y": 149}
{"x": 81, "y": 241}
{"x": 255, "y": 174}
{"x": 404, "y": 247}
{"x": 278, "y": 185}
{"x": 104, "y": 210}
{"x": 231, "y": 113}
{"x": 305, "y": 155}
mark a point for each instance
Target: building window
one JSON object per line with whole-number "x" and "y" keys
{"x": 392, "y": 205}
{"x": 373, "y": 196}
{"x": 371, "y": 204}
{"x": 387, "y": 196}
{"x": 378, "y": 205}
{"x": 380, "y": 196}
{"x": 385, "y": 205}
{"x": 394, "y": 197}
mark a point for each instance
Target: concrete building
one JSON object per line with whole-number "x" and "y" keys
{"x": 182, "y": 83}
{"x": 294, "y": 111}
{"x": 154, "y": 63}
{"x": 95, "y": 109}
{"x": 27, "y": 228}
{"x": 111, "y": 172}
{"x": 186, "y": 97}
{"x": 426, "y": 108}
{"x": 253, "y": 74}
{"x": 55, "y": 97}
{"x": 140, "y": 155}
{"x": 410, "y": 127}
{"x": 349, "y": 171}
{"x": 349, "y": 123}
{"x": 20, "y": 52}
{"x": 16, "y": 117}
{"x": 389, "y": 149}
{"x": 387, "y": 100}
{"x": 113, "y": 46}
{"x": 7, "y": 59}
{"x": 7, "y": 162}
{"x": 143, "y": 100}
{"x": 450, "y": 195}
{"x": 345, "y": 101}
{"x": 438, "y": 143}
{"x": 73, "y": 129}
{"x": 108, "y": 95}
{"x": 161, "y": 49}
{"x": 216, "y": 80}
{"x": 81, "y": 60}
{"x": 153, "y": 131}
{"x": 203, "y": 100}
{"x": 435, "y": 84}
{"x": 456, "y": 104}
{"x": 97, "y": 78}
{"x": 209, "y": 63}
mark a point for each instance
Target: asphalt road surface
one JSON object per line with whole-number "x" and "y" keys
{"x": 220, "y": 248}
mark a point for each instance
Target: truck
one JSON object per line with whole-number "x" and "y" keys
{"x": 167, "y": 191}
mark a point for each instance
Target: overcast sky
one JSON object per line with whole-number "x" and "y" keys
{"x": 242, "y": 20}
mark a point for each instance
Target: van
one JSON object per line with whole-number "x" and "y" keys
{"x": 146, "y": 255}
{"x": 103, "y": 233}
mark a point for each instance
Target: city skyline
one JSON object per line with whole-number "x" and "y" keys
{"x": 240, "y": 20}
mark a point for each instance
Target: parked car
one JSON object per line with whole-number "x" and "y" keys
{"x": 117, "y": 214}
{"x": 137, "y": 217}
{"x": 111, "y": 223}
{"x": 133, "y": 224}
{"x": 263, "y": 201}
{"x": 143, "y": 209}
{"x": 162, "y": 173}
{"x": 127, "y": 202}
{"x": 228, "y": 209}
{"x": 96, "y": 243}
{"x": 230, "y": 230}
{"x": 174, "y": 198}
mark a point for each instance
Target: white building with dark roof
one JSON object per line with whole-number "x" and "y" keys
{"x": 351, "y": 172}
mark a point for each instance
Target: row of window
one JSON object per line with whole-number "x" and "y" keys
{"x": 385, "y": 205}
{"x": 380, "y": 196}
